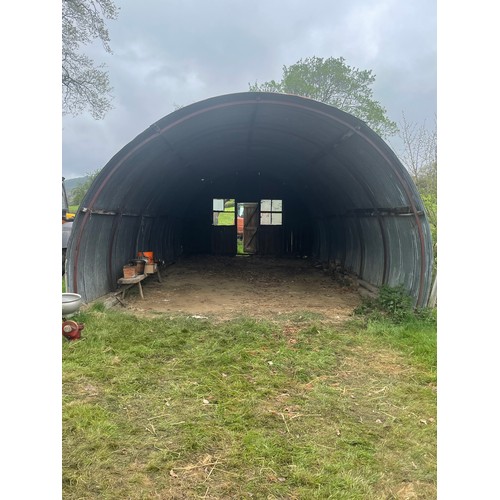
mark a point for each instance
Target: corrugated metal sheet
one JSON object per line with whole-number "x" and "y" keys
{"x": 224, "y": 240}
{"x": 270, "y": 240}
{"x": 332, "y": 169}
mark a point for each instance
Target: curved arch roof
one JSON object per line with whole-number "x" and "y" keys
{"x": 351, "y": 183}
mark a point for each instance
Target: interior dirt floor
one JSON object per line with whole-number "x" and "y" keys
{"x": 259, "y": 287}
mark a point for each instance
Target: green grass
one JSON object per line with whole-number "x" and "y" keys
{"x": 298, "y": 408}
{"x": 239, "y": 245}
{"x": 226, "y": 218}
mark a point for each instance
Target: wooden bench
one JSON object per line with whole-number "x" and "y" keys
{"x": 127, "y": 283}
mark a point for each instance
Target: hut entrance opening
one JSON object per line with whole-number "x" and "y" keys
{"x": 312, "y": 180}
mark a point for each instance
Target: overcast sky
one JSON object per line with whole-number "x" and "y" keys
{"x": 168, "y": 53}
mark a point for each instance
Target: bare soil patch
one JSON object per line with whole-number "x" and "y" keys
{"x": 254, "y": 286}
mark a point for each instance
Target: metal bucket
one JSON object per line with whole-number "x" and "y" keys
{"x": 71, "y": 303}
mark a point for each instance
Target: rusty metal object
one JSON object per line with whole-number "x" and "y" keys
{"x": 71, "y": 330}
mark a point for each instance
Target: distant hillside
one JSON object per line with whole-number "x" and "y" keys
{"x": 73, "y": 183}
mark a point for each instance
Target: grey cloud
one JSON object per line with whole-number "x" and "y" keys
{"x": 169, "y": 53}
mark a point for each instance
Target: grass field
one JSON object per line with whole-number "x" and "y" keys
{"x": 176, "y": 407}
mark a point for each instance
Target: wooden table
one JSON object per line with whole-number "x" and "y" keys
{"x": 130, "y": 282}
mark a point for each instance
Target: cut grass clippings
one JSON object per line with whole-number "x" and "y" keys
{"x": 189, "y": 408}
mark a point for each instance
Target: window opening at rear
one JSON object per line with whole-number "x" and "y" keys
{"x": 271, "y": 212}
{"x": 223, "y": 212}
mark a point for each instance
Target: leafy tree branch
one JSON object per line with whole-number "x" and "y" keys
{"x": 333, "y": 82}
{"x": 85, "y": 85}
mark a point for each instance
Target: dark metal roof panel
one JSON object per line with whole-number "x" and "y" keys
{"x": 371, "y": 234}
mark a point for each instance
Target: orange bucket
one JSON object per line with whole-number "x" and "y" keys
{"x": 147, "y": 255}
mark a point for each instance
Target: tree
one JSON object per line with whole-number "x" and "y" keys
{"x": 419, "y": 156}
{"x": 333, "y": 82}
{"x": 78, "y": 193}
{"x": 419, "y": 151}
{"x": 85, "y": 85}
